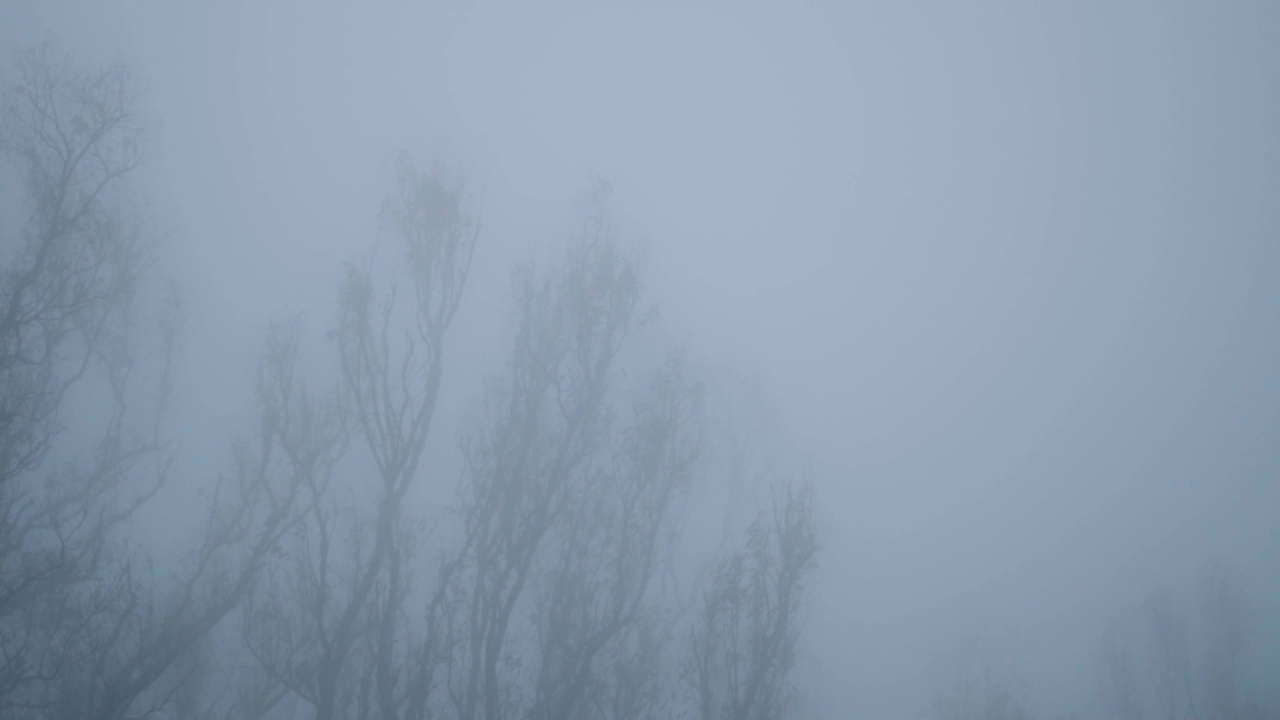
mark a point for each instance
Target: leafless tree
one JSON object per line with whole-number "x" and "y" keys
{"x": 328, "y": 629}
{"x": 549, "y": 601}
{"x": 1228, "y": 632}
{"x": 545, "y": 425}
{"x": 983, "y": 698}
{"x": 65, "y": 296}
{"x": 139, "y": 636}
{"x": 743, "y": 648}
{"x": 86, "y": 629}
{"x": 1120, "y": 687}
{"x": 597, "y": 630}
{"x": 1182, "y": 688}
{"x": 1170, "y": 658}
{"x": 67, "y": 287}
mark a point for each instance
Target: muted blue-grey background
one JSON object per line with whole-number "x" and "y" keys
{"x": 1010, "y": 270}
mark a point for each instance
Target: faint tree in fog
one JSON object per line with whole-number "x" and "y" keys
{"x": 550, "y": 601}
{"x": 87, "y": 630}
{"x": 544, "y": 605}
{"x": 250, "y": 513}
{"x": 744, "y": 432}
{"x": 67, "y": 291}
{"x": 1229, "y": 630}
{"x": 328, "y": 628}
{"x": 984, "y": 698}
{"x": 743, "y": 647}
{"x": 600, "y": 629}
{"x": 1170, "y": 658}
{"x": 1120, "y": 690}
{"x": 597, "y": 623}
{"x": 545, "y": 481}
{"x": 1181, "y": 687}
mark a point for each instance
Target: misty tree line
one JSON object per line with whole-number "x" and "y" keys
{"x": 1161, "y": 658}
{"x": 318, "y": 581}
{"x": 1164, "y": 659}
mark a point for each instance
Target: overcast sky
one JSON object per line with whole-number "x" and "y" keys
{"x": 1011, "y": 270}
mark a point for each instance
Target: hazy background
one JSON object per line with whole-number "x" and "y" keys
{"x": 1010, "y": 270}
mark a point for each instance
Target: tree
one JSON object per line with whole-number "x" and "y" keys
{"x": 596, "y": 624}
{"x": 544, "y": 604}
{"x": 543, "y": 472}
{"x": 66, "y": 316}
{"x": 1228, "y": 632}
{"x": 743, "y": 650}
{"x": 1170, "y": 658}
{"x": 328, "y": 629}
{"x": 1180, "y": 686}
{"x": 1120, "y": 687}
{"x": 86, "y": 631}
{"x": 549, "y": 600}
{"x": 980, "y": 699}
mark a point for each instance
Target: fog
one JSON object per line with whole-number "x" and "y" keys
{"x": 1001, "y": 279}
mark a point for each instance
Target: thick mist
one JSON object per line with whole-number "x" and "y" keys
{"x": 1001, "y": 279}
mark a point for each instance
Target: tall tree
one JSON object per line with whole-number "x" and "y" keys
{"x": 546, "y": 425}
{"x": 86, "y": 629}
{"x": 67, "y": 290}
{"x": 328, "y": 628}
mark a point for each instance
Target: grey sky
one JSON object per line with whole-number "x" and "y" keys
{"x": 1012, "y": 269}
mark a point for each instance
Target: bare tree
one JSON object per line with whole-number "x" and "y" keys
{"x": 545, "y": 425}
{"x": 549, "y": 602}
{"x": 138, "y": 637}
{"x": 1120, "y": 687}
{"x": 1228, "y": 632}
{"x": 743, "y": 648}
{"x": 65, "y": 297}
{"x": 981, "y": 699}
{"x": 1170, "y": 658}
{"x": 328, "y": 630}
{"x": 86, "y": 630}
{"x": 1182, "y": 688}
{"x": 66, "y": 314}
{"x": 597, "y": 630}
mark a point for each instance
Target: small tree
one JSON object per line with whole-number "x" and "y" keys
{"x": 1170, "y": 657}
{"x": 1228, "y": 629}
{"x": 1120, "y": 686}
{"x": 1180, "y": 687}
{"x": 980, "y": 699}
